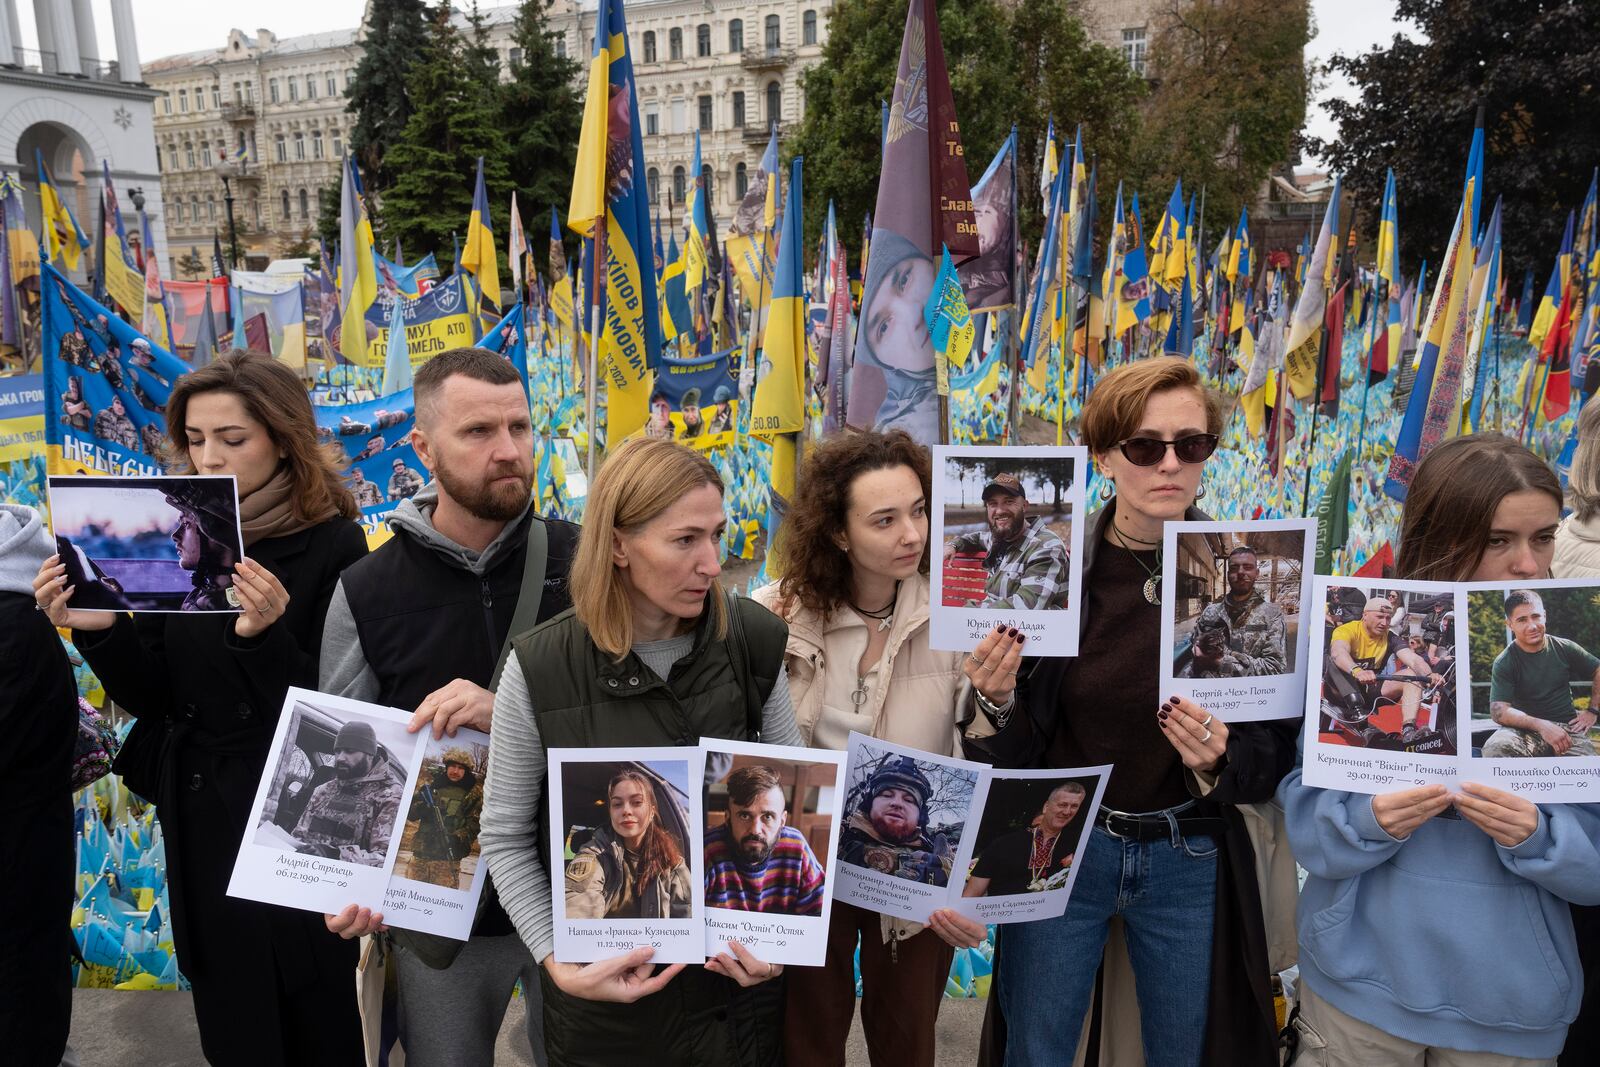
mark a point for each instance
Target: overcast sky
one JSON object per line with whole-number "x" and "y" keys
{"x": 170, "y": 26}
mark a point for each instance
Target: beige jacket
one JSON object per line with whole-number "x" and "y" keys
{"x": 921, "y": 698}
{"x": 1577, "y": 549}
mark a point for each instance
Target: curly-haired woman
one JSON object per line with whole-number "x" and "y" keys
{"x": 855, "y": 595}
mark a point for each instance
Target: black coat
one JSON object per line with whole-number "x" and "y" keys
{"x": 1241, "y": 1028}
{"x": 207, "y": 703}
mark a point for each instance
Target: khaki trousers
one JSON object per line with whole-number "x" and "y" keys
{"x": 1330, "y": 1038}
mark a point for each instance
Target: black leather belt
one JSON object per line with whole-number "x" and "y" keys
{"x": 1157, "y": 827}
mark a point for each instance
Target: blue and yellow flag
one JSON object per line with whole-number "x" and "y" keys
{"x": 779, "y": 405}
{"x": 694, "y": 243}
{"x": 750, "y": 235}
{"x": 1550, "y": 303}
{"x": 1386, "y": 349}
{"x": 358, "y": 280}
{"x": 1238, "y": 268}
{"x": 609, "y": 205}
{"x": 675, "y": 312}
{"x": 950, "y": 325}
{"x": 1133, "y": 290}
{"x": 478, "y": 256}
{"x": 64, "y": 239}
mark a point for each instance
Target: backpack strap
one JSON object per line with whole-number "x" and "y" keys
{"x": 756, "y": 642}
{"x": 526, "y": 615}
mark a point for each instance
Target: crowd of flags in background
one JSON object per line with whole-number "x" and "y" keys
{"x": 1344, "y": 373}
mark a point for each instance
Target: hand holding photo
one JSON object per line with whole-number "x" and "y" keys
{"x": 1231, "y": 595}
{"x": 148, "y": 543}
{"x": 626, "y": 853}
{"x": 1383, "y": 716}
{"x": 771, "y": 828}
{"x": 1008, "y": 527}
{"x": 1533, "y": 688}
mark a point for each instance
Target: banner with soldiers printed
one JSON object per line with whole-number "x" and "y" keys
{"x": 1230, "y": 615}
{"x": 330, "y": 809}
{"x": 435, "y": 887}
{"x": 383, "y": 468}
{"x": 627, "y": 839}
{"x": 772, "y": 818}
{"x": 1008, "y": 545}
{"x": 695, "y": 401}
{"x": 148, "y": 544}
{"x": 1384, "y": 689}
{"x": 106, "y": 387}
{"x": 22, "y": 440}
{"x": 1027, "y": 830}
{"x": 1532, "y": 688}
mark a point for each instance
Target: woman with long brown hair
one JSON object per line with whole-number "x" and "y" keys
{"x": 854, "y": 553}
{"x": 1435, "y": 924}
{"x": 652, "y": 652}
{"x": 633, "y": 868}
{"x": 271, "y": 985}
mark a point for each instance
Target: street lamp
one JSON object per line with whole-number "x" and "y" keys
{"x": 226, "y": 170}
{"x": 136, "y": 198}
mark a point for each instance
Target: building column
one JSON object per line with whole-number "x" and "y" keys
{"x": 9, "y": 37}
{"x": 44, "y": 21}
{"x": 127, "y": 40}
{"x": 83, "y": 25}
{"x": 56, "y": 34}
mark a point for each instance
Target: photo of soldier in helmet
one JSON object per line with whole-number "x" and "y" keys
{"x": 905, "y": 817}
{"x": 442, "y": 822}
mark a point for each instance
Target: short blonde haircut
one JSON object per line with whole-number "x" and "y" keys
{"x": 1118, "y": 401}
{"x": 637, "y": 482}
{"x": 1583, "y": 481}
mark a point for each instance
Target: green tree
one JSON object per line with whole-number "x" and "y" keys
{"x": 379, "y": 95}
{"x": 1529, "y": 63}
{"x": 541, "y": 115}
{"x": 1228, "y": 100}
{"x": 433, "y": 162}
{"x": 328, "y": 213}
{"x": 190, "y": 265}
{"x": 1017, "y": 62}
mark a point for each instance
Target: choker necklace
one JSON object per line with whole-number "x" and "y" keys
{"x": 1152, "y": 585}
{"x": 884, "y": 615}
{"x": 1125, "y": 537}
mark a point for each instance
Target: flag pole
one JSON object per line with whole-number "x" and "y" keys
{"x": 598, "y": 292}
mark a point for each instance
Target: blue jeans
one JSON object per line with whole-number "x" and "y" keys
{"x": 1165, "y": 891}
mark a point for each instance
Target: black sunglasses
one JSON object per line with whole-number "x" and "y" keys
{"x": 1148, "y": 451}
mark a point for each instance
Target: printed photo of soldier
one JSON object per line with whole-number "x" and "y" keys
{"x": 1237, "y": 609}
{"x": 336, "y": 787}
{"x": 439, "y": 844}
{"x": 404, "y": 482}
{"x": 1028, "y": 835}
{"x": 767, "y": 833}
{"x": 904, "y": 817}
{"x": 1007, "y": 531}
{"x": 628, "y": 857}
{"x": 1535, "y": 675}
{"x": 367, "y": 494}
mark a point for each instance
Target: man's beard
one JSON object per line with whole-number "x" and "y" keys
{"x": 894, "y": 835}
{"x": 757, "y": 856}
{"x": 1011, "y": 532}
{"x": 484, "y": 500}
{"x": 349, "y": 772}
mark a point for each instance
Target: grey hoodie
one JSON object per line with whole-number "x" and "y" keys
{"x": 25, "y": 543}
{"x": 345, "y": 671}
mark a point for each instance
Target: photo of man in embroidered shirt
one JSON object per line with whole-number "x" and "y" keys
{"x": 755, "y": 860}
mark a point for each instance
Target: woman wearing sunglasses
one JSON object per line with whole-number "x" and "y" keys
{"x": 1169, "y": 867}
{"x": 1435, "y": 925}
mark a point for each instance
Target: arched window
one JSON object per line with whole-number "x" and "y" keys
{"x": 337, "y": 142}
{"x": 704, "y": 109}
{"x": 188, "y": 154}
{"x": 194, "y": 208}
{"x": 774, "y": 103}
{"x": 255, "y": 211}
{"x": 299, "y": 145}
{"x": 736, "y": 35}
{"x": 741, "y": 180}
{"x": 808, "y": 28}
{"x": 680, "y": 185}
{"x": 702, "y": 40}
{"x": 205, "y": 154}
{"x": 316, "y": 144}
{"x": 305, "y": 205}
{"x": 774, "y": 32}
{"x": 675, "y": 44}
{"x": 211, "y": 208}
{"x": 738, "y": 110}
{"x": 177, "y": 210}
{"x": 649, "y": 46}
{"x": 285, "y": 205}
{"x": 653, "y": 182}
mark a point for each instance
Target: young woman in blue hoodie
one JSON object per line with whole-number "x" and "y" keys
{"x": 1434, "y": 926}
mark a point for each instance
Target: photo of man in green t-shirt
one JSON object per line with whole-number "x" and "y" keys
{"x": 1530, "y": 687}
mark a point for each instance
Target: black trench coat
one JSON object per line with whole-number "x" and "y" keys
{"x": 1241, "y": 1028}
{"x": 271, "y": 985}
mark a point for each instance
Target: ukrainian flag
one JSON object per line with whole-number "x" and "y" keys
{"x": 478, "y": 255}
{"x": 1239, "y": 267}
{"x": 609, "y": 206}
{"x": 1389, "y": 269}
{"x": 779, "y": 406}
{"x": 358, "y": 280}
{"x": 64, "y": 239}
{"x": 694, "y": 245}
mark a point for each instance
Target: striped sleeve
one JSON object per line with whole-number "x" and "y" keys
{"x": 509, "y": 837}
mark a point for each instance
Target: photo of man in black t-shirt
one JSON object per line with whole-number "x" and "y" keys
{"x": 1033, "y": 857}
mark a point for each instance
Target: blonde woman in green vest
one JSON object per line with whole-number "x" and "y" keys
{"x": 653, "y": 652}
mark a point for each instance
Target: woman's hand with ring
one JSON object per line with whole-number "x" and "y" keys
{"x": 51, "y": 594}
{"x": 992, "y": 666}
{"x": 261, "y": 596}
{"x": 1200, "y": 739}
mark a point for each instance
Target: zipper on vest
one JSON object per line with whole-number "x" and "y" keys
{"x": 488, "y": 615}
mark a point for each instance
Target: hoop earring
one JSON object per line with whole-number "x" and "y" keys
{"x": 1108, "y": 489}
{"x": 1200, "y": 493}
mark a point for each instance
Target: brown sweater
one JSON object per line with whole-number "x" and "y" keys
{"x": 1111, "y": 691}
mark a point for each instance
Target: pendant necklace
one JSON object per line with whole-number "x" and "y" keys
{"x": 1152, "y": 585}
{"x": 884, "y": 617}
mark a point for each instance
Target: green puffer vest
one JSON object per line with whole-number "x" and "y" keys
{"x": 584, "y": 699}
